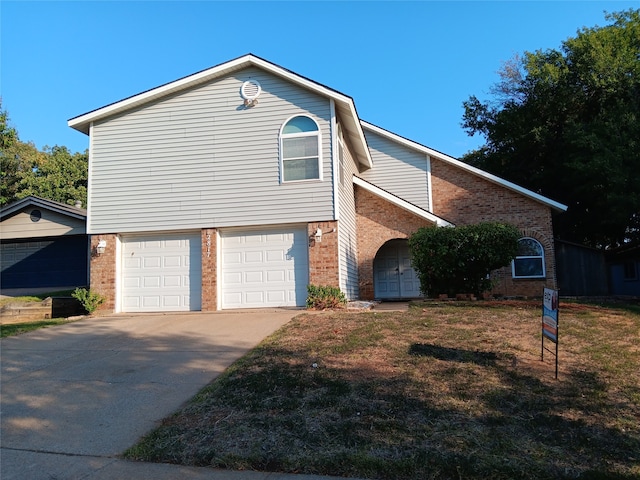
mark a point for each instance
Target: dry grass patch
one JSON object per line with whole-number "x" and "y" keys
{"x": 442, "y": 391}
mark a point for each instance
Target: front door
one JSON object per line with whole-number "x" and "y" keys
{"x": 394, "y": 278}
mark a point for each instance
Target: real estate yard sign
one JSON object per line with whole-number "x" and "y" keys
{"x": 550, "y": 309}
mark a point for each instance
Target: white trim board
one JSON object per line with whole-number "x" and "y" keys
{"x": 457, "y": 163}
{"x": 397, "y": 201}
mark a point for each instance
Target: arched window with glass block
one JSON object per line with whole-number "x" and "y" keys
{"x": 300, "y": 157}
{"x": 529, "y": 261}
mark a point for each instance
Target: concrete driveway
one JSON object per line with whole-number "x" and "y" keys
{"x": 76, "y": 396}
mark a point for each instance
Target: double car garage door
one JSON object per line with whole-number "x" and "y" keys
{"x": 258, "y": 268}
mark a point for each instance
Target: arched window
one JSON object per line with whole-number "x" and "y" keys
{"x": 529, "y": 261}
{"x": 300, "y": 150}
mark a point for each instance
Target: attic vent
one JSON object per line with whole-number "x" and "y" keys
{"x": 250, "y": 91}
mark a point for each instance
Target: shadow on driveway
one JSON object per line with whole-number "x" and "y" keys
{"x": 94, "y": 387}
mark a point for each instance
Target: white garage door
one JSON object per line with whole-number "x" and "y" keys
{"x": 161, "y": 272}
{"x": 264, "y": 268}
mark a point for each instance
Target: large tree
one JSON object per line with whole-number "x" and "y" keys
{"x": 57, "y": 175}
{"x": 9, "y": 164}
{"x": 566, "y": 123}
{"x": 52, "y": 173}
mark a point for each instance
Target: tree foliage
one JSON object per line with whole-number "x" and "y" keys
{"x": 57, "y": 175}
{"x": 53, "y": 173}
{"x": 455, "y": 260}
{"x": 566, "y": 123}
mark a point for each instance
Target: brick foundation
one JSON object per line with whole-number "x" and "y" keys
{"x": 323, "y": 256}
{"x": 103, "y": 271}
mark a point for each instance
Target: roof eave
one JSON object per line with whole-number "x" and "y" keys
{"x": 57, "y": 207}
{"x": 399, "y": 202}
{"x": 474, "y": 170}
{"x": 83, "y": 122}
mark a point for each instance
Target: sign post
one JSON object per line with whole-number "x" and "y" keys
{"x": 550, "y": 307}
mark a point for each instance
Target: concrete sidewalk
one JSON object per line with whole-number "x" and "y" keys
{"x": 65, "y": 467}
{"x": 74, "y": 397}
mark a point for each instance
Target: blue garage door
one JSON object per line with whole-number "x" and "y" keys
{"x": 56, "y": 262}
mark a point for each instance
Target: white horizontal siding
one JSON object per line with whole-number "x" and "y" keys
{"x": 51, "y": 224}
{"x": 201, "y": 159}
{"x": 347, "y": 233}
{"x": 398, "y": 170}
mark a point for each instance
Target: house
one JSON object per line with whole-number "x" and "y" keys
{"x": 624, "y": 270}
{"x": 241, "y": 184}
{"x": 43, "y": 244}
{"x": 581, "y": 270}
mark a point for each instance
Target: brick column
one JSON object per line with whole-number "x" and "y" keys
{"x": 209, "y": 270}
{"x": 103, "y": 271}
{"x": 324, "y": 261}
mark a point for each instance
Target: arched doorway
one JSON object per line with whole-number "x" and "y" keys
{"x": 393, "y": 277}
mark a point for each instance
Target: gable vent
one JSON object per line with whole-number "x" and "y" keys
{"x": 250, "y": 91}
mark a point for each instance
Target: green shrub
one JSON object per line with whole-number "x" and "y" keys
{"x": 89, "y": 299}
{"x": 323, "y": 296}
{"x": 455, "y": 260}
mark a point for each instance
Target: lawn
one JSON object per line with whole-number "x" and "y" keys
{"x": 10, "y": 329}
{"x": 34, "y": 298}
{"x": 444, "y": 391}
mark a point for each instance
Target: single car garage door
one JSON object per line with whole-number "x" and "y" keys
{"x": 161, "y": 272}
{"x": 264, "y": 268}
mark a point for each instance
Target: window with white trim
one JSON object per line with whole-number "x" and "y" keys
{"x": 300, "y": 157}
{"x": 529, "y": 261}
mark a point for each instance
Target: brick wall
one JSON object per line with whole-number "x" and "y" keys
{"x": 324, "y": 265}
{"x": 463, "y": 198}
{"x": 378, "y": 221}
{"x": 209, "y": 270}
{"x": 103, "y": 271}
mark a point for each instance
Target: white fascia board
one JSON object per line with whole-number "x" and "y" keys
{"x": 474, "y": 170}
{"x": 397, "y": 201}
{"x": 82, "y": 122}
{"x": 323, "y": 91}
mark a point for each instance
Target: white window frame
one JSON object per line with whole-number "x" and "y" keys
{"x": 524, "y": 257}
{"x": 284, "y": 136}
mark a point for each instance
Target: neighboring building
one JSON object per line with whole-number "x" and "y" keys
{"x": 240, "y": 185}
{"x": 581, "y": 270}
{"x": 624, "y": 270}
{"x": 43, "y": 244}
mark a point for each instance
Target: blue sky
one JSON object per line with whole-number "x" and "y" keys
{"x": 407, "y": 65}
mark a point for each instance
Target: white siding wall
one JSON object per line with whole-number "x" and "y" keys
{"x": 201, "y": 159}
{"x": 398, "y": 170}
{"x": 347, "y": 229}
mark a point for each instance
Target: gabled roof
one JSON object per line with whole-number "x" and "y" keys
{"x": 344, "y": 104}
{"x": 457, "y": 163}
{"x": 399, "y": 202}
{"x": 17, "y": 206}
